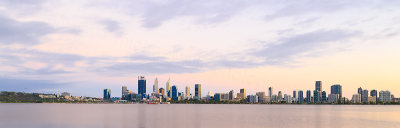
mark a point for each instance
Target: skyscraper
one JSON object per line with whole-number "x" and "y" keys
{"x": 107, "y": 94}
{"x": 244, "y": 92}
{"x": 174, "y": 93}
{"x": 280, "y": 98}
{"x": 300, "y": 97}
{"x": 168, "y": 87}
{"x": 364, "y": 96}
{"x": 125, "y": 92}
{"x": 187, "y": 91}
{"x": 374, "y": 93}
{"x": 155, "y": 86}
{"x": 318, "y": 86}
{"x": 142, "y": 86}
{"x": 294, "y": 94}
{"x": 270, "y": 92}
{"x": 385, "y": 97}
{"x": 323, "y": 97}
{"x": 317, "y": 96}
{"x": 231, "y": 95}
{"x": 162, "y": 91}
{"x": 197, "y": 91}
{"x": 308, "y": 96}
{"x": 360, "y": 91}
{"x": 337, "y": 89}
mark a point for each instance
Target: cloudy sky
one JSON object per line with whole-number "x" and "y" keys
{"x": 84, "y": 46}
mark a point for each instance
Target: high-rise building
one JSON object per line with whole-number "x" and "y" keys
{"x": 385, "y": 97}
{"x": 155, "y": 86}
{"x": 125, "y": 93}
{"x": 308, "y": 96}
{"x": 232, "y": 95}
{"x": 243, "y": 91}
{"x": 187, "y": 91}
{"x": 270, "y": 91}
{"x": 261, "y": 96}
{"x": 252, "y": 98}
{"x": 280, "y": 98}
{"x": 356, "y": 98}
{"x": 318, "y": 86}
{"x": 364, "y": 96}
{"x": 168, "y": 88}
{"x": 162, "y": 91}
{"x": 300, "y": 97}
{"x": 317, "y": 96}
{"x": 217, "y": 97}
{"x": 374, "y": 93}
{"x": 107, "y": 94}
{"x": 323, "y": 97}
{"x": 142, "y": 86}
{"x": 337, "y": 89}
{"x": 360, "y": 90}
{"x": 174, "y": 91}
{"x": 294, "y": 94}
{"x": 197, "y": 91}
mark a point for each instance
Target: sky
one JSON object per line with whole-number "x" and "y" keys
{"x": 85, "y": 46}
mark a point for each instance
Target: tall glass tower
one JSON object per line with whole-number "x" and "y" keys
{"x": 197, "y": 91}
{"x": 142, "y": 86}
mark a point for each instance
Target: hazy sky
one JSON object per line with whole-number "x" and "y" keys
{"x": 84, "y": 46}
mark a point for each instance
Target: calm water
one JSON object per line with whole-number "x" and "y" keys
{"x": 196, "y": 116}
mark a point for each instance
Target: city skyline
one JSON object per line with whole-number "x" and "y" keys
{"x": 83, "y": 47}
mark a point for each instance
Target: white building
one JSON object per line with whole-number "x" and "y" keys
{"x": 356, "y": 98}
{"x": 385, "y": 97}
{"x": 252, "y": 99}
{"x": 155, "y": 86}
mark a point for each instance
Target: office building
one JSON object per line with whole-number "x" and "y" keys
{"x": 261, "y": 96}
{"x": 197, "y": 91}
{"x": 308, "y": 96}
{"x": 161, "y": 91}
{"x": 300, "y": 97}
{"x": 360, "y": 90}
{"x": 125, "y": 93}
{"x": 356, "y": 99}
{"x": 168, "y": 88}
{"x": 364, "y": 96}
{"x": 372, "y": 99}
{"x": 107, "y": 94}
{"x": 334, "y": 98}
{"x": 217, "y": 97}
{"x": 270, "y": 91}
{"x": 287, "y": 99}
{"x": 174, "y": 93}
{"x": 252, "y": 99}
{"x": 232, "y": 95}
{"x": 142, "y": 85}
{"x": 280, "y": 98}
{"x": 294, "y": 94}
{"x": 187, "y": 92}
{"x": 385, "y": 97}
{"x": 323, "y": 97}
{"x": 375, "y": 94}
{"x": 317, "y": 96}
{"x": 155, "y": 86}
{"x": 337, "y": 89}
{"x": 318, "y": 86}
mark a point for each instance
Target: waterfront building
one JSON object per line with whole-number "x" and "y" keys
{"x": 107, "y": 94}
{"x": 197, "y": 91}
{"x": 168, "y": 88}
{"x": 141, "y": 85}
{"x": 161, "y": 91}
{"x": 280, "y": 98}
{"x": 242, "y": 94}
{"x": 174, "y": 91}
{"x": 372, "y": 99}
{"x": 385, "y": 97}
{"x": 274, "y": 98}
{"x": 356, "y": 99}
{"x": 337, "y": 89}
{"x": 294, "y": 94}
{"x": 224, "y": 96}
{"x": 334, "y": 98}
{"x": 318, "y": 86}
{"x": 374, "y": 93}
{"x": 261, "y": 96}
{"x": 187, "y": 92}
{"x": 317, "y": 96}
{"x": 300, "y": 97}
{"x": 364, "y": 96}
{"x": 360, "y": 90}
{"x": 243, "y": 90}
{"x": 232, "y": 95}
{"x": 217, "y": 97}
{"x": 155, "y": 86}
{"x": 308, "y": 96}
{"x": 323, "y": 97}
{"x": 270, "y": 92}
{"x": 210, "y": 95}
{"x": 252, "y": 99}
{"x": 288, "y": 99}
{"x": 66, "y": 95}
